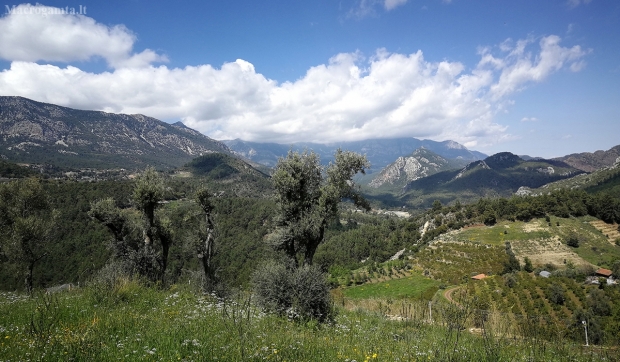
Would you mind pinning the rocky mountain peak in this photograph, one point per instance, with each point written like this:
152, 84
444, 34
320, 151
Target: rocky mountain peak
421, 163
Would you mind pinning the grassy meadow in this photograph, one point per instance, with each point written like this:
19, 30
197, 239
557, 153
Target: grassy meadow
131, 322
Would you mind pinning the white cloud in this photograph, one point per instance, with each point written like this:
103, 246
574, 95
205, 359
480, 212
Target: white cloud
529, 119
519, 67
41, 33
348, 98
391, 4
366, 8
575, 3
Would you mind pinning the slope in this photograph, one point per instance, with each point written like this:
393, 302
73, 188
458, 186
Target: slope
35, 132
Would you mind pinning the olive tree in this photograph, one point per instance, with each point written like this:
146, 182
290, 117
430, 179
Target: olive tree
201, 233
26, 224
308, 199
153, 227
117, 221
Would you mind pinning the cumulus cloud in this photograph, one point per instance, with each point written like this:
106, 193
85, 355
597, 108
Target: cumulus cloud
42, 33
348, 98
529, 119
520, 67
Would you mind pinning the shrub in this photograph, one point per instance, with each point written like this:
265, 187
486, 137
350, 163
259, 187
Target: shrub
572, 240
555, 293
510, 280
301, 293
528, 267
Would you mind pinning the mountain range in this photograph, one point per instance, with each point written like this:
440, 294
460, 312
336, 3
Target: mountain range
501, 174
35, 132
592, 161
405, 171
380, 152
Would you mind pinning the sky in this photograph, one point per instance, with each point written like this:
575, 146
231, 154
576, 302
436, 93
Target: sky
540, 78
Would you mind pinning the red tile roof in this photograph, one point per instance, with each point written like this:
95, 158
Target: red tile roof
604, 272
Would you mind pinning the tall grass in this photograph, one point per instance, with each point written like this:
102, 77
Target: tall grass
137, 323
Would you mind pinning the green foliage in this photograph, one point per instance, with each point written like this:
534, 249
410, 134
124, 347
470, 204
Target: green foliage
299, 293
375, 240
598, 303
510, 280
512, 264
170, 325
202, 236
307, 202
412, 287
555, 293
26, 225
213, 165
12, 170
572, 240
527, 265
615, 268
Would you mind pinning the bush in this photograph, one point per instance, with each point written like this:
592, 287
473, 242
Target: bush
510, 280
555, 293
572, 240
301, 293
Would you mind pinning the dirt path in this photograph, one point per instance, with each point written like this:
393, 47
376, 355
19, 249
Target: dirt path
448, 294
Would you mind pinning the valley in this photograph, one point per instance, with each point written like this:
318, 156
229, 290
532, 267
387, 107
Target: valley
441, 214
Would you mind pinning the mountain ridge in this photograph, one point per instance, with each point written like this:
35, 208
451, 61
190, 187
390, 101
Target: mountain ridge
36, 132
592, 161
421, 163
501, 174
380, 152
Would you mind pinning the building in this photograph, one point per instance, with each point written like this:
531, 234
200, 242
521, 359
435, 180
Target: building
604, 272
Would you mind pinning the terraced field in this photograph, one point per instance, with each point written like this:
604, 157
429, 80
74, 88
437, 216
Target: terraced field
609, 230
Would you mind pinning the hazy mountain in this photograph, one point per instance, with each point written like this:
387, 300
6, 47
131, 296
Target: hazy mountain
35, 132
380, 152
421, 163
589, 162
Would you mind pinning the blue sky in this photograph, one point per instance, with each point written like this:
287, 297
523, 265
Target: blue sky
530, 77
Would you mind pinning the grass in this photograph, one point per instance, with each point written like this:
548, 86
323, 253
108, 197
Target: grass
135, 323
527, 238
413, 286
502, 232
